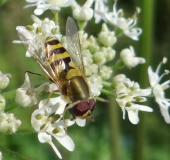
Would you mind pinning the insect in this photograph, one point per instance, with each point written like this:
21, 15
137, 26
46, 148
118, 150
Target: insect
63, 67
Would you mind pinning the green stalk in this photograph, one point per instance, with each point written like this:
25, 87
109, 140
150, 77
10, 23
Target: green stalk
56, 19
114, 129
146, 52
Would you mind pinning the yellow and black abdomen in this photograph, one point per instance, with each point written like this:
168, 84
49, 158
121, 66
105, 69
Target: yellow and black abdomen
78, 89
68, 76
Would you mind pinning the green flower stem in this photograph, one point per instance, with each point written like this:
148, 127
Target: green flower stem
81, 25
56, 20
114, 125
107, 84
108, 93
101, 99
119, 64
14, 155
146, 52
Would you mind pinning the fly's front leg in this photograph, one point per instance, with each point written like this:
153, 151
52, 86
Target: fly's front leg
55, 91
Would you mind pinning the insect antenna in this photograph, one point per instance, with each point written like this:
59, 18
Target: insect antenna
35, 73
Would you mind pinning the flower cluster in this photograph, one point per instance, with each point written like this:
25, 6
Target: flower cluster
128, 95
158, 89
66, 64
8, 123
47, 121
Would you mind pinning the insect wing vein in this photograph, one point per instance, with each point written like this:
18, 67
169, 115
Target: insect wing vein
73, 44
36, 49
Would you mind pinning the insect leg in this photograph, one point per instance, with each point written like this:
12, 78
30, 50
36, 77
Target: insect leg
65, 126
35, 73
87, 115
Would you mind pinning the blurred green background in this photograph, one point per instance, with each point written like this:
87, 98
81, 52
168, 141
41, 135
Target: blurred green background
109, 137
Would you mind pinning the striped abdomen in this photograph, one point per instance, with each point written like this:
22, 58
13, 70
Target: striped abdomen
67, 74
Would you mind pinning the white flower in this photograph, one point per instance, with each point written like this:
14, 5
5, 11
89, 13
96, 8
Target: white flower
128, 94
8, 123
126, 25
84, 13
158, 90
26, 95
100, 6
34, 35
43, 5
128, 57
95, 83
4, 80
45, 28
47, 121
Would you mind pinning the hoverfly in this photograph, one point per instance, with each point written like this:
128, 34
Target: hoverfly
63, 67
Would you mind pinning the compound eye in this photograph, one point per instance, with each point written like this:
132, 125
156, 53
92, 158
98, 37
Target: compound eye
91, 104
81, 108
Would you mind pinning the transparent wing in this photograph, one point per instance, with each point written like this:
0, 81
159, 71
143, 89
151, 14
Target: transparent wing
73, 44
36, 49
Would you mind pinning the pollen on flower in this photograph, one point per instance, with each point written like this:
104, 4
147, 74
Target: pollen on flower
30, 27
56, 130
38, 116
56, 117
128, 94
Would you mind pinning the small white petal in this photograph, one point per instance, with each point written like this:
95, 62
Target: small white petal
165, 114
53, 87
133, 117
81, 122
144, 108
46, 138
55, 149
67, 142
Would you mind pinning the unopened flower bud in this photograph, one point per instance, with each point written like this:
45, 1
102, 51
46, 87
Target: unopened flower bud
92, 45
83, 13
8, 123
4, 80
105, 72
106, 37
129, 59
98, 58
26, 95
25, 98
118, 79
109, 53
